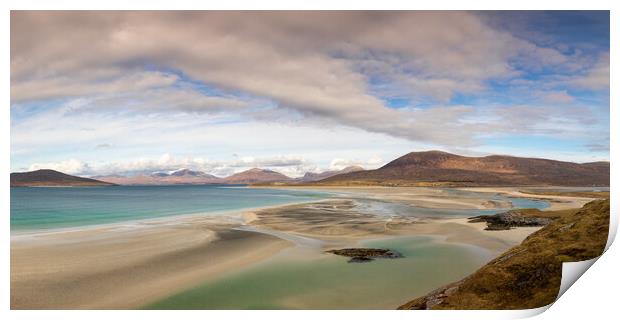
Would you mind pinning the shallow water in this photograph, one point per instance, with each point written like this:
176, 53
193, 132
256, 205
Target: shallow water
47, 208
387, 208
302, 278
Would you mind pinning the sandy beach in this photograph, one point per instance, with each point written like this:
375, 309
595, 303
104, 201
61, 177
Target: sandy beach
337, 225
129, 265
556, 202
432, 198
126, 267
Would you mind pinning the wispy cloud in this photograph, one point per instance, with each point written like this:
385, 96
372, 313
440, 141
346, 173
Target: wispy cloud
137, 80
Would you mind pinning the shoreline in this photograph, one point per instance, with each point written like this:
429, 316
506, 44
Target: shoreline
424, 197
332, 190
130, 264
232, 215
124, 269
556, 202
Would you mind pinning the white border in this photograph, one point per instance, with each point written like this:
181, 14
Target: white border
594, 295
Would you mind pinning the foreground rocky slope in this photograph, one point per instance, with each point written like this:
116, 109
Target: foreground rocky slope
528, 275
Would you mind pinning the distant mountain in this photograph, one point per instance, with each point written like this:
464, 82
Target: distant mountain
186, 176
311, 176
52, 178
181, 176
188, 173
442, 168
256, 175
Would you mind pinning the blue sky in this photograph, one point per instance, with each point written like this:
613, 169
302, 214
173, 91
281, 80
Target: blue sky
136, 92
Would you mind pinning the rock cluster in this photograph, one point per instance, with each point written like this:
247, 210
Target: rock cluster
358, 255
508, 220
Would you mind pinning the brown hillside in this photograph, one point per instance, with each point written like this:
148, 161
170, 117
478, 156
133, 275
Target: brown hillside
445, 168
46, 177
256, 175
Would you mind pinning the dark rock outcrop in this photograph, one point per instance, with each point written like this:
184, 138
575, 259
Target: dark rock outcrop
366, 254
508, 220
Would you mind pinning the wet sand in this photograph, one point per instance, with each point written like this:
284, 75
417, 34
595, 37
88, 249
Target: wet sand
432, 198
338, 224
556, 202
127, 266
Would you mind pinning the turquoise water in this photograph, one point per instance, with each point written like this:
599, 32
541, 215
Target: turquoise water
58, 207
386, 208
316, 280
46, 208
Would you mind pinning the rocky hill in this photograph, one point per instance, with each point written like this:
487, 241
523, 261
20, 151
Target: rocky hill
51, 178
256, 175
446, 169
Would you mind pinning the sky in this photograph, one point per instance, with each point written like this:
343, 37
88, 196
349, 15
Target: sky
98, 93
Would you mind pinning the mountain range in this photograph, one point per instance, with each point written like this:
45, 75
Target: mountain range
251, 176
428, 168
181, 176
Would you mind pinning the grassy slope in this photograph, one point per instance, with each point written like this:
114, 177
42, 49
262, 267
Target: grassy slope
528, 275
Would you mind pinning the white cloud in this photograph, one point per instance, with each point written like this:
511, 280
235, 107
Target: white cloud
321, 72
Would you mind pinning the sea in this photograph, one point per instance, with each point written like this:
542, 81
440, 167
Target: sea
36, 208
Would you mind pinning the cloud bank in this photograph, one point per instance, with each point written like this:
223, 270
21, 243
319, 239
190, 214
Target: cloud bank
447, 79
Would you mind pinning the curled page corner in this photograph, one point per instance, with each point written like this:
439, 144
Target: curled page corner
571, 271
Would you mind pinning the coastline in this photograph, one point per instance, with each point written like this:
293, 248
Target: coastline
130, 264
47, 264
232, 215
556, 202
425, 197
